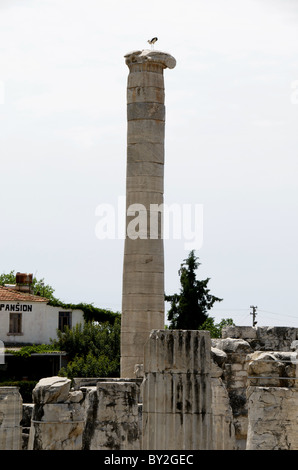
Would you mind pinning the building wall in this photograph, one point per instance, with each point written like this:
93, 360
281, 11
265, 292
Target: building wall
39, 322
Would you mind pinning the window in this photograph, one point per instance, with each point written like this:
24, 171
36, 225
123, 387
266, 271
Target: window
15, 323
64, 320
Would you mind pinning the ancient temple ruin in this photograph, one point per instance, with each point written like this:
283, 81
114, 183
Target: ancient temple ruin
179, 389
192, 393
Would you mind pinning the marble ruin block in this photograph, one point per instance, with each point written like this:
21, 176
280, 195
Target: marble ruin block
10, 418
115, 416
272, 396
58, 418
177, 391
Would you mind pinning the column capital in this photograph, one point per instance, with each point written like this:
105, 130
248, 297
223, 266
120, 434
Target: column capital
146, 56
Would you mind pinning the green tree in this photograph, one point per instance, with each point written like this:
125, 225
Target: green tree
189, 308
93, 349
216, 328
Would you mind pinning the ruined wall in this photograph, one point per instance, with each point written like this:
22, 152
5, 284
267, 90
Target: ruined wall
101, 416
235, 380
238, 343
235, 392
263, 338
272, 396
223, 427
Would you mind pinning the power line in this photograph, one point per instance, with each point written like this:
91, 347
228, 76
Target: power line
235, 313
246, 310
281, 314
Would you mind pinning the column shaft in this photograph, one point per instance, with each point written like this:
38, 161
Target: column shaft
143, 266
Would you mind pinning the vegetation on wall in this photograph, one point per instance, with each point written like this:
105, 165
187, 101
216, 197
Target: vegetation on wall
90, 312
26, 351
39, 287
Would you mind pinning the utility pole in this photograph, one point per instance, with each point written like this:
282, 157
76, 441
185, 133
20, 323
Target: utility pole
253, 313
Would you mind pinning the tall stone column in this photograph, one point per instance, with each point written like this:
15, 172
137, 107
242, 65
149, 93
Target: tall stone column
143, 267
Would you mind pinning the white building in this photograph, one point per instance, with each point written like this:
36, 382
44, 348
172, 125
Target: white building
28, 319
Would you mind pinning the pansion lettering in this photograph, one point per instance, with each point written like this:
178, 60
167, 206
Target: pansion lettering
15, 308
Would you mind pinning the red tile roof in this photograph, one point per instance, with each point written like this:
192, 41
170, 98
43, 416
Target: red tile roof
11, 295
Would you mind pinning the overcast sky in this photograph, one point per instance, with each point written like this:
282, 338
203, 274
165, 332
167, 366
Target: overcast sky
231, 144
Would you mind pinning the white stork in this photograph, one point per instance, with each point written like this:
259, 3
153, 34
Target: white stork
152, 42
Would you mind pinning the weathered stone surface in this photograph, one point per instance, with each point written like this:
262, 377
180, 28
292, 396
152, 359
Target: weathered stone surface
272, 418
264, 338
140, 168
145, 152
56, 436
177, 391
143, 290
223, 435
139, 371
243, 332
75, 396
273, 369
51, 390
146, 131
58, 417
150, 282
27, 411
10, 418
144, 247
116, 423
145, 111
218, 356
146, 56
294, 345
235, 378
144, 263
145, 79
276, 338
271, 362
232, 345
148, 94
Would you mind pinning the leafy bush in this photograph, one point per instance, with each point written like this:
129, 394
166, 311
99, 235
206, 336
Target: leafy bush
93, 349
91, 366
215, 329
